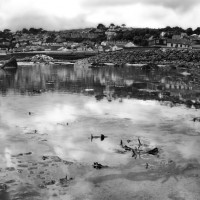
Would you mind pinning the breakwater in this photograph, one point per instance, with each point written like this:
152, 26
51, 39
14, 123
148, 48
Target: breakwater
157, 56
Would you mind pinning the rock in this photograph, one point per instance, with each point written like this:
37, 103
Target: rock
11, 63
147, 166
56, 159
127, 148
96, 165
10, 169
23, 165
42, 186
153, 151
3, 187
10, 181
45, 157
120, 151
64, 181
41, 58
20, 171
29, 153
67, 162
52, 182
196, 119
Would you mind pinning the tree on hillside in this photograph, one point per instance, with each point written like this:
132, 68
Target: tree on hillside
36, 30
6, 30
112, 25
123, 25
197, 31
189, 31
128, 35
24, 30
101, 26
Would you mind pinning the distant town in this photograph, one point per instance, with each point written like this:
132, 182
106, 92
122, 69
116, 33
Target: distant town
99, 39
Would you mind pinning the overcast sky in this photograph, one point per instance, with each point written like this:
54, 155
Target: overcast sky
67, 14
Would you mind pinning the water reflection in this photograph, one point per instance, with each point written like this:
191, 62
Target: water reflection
58, 110
110, 83
67, 105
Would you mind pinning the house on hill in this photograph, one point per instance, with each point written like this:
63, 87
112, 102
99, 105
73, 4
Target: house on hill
100, 48
80, 48
116, 48
107, 49
64, 49
104, 43
157, 42
90, 49
178, 43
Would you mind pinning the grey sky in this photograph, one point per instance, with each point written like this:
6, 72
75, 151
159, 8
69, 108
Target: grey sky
172, 4
66, 14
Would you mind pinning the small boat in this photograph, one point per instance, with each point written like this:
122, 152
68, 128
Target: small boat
10, 64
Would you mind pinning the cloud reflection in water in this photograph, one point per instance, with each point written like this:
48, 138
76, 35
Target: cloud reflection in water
162, 126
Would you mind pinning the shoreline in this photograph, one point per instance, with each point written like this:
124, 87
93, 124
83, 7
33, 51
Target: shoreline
54, 54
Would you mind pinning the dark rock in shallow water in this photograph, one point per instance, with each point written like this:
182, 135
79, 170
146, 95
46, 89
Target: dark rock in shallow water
3, 187
10, 169
97, 165
29, 153
45, 157
64, 181
196, 119
153, 151
42, 186
52, 182
10, 181
11, 63
56, 159
67, 162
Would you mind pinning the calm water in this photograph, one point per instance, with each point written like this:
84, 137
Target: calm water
53, 110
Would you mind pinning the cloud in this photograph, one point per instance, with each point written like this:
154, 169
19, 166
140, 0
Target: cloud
172, 4
38, 20
49, 14
145, 16
62, 14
